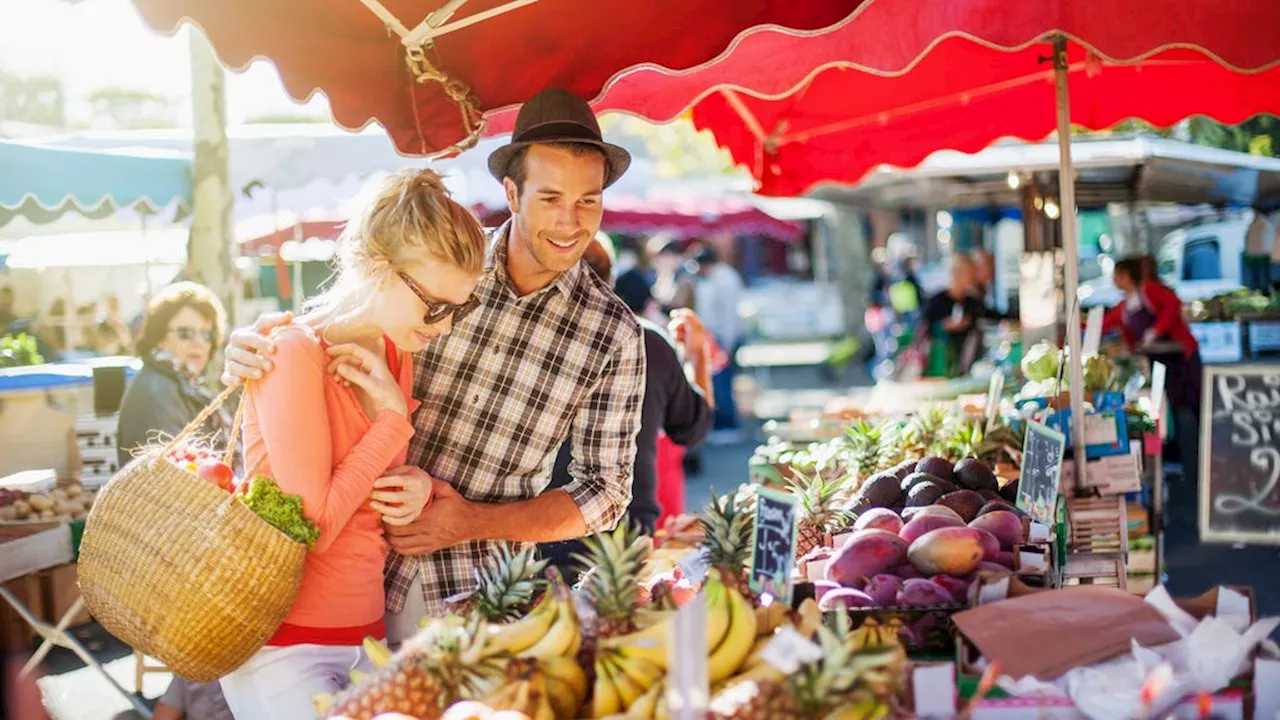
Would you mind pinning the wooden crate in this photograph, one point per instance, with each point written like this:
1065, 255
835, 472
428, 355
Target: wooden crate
15, 634
1098, 526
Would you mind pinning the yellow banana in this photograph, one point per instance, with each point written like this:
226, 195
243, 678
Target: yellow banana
518, 636
322, 702
628, 689
770, 618
663, 710
646, 706
575, 642
762, 671
559, 636
604, 696
641, 671
357, 676
756, 656
810, 617
378, 653
569, 673
717, 601
649, 643
540, 700
866, 708
728, 657
561, 698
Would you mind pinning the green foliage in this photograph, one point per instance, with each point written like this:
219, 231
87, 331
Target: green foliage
35, 99
281, 511
19, 350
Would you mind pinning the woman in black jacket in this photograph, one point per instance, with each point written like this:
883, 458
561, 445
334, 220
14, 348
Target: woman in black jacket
183, 325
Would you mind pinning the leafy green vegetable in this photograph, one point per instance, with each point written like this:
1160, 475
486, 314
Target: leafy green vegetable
18, 351
281, 511
1041, 362
1099, 372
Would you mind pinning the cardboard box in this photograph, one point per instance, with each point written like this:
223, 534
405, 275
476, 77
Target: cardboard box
61, 588
15, 634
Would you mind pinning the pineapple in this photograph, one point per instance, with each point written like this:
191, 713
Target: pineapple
441, 664
927, 431
612, 582
821, 503
728, 523
756, 700
869, 447
508, 587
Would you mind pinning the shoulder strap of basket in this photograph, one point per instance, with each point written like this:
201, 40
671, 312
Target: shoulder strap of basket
204, 415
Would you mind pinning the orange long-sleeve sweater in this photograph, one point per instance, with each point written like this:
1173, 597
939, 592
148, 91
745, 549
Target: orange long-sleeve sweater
309, 433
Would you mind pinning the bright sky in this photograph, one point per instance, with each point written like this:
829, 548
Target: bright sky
97, 43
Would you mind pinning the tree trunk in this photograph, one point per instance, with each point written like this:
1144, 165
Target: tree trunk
209, 249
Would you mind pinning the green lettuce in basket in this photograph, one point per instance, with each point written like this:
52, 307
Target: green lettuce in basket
281, 511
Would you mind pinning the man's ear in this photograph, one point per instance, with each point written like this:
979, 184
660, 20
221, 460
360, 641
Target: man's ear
513, 195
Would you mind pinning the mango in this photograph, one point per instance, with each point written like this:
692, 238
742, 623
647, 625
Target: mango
935, 509
847, 598
1006, 526
1007, 559
822, 587
879, 519
946, 551
906, 572
918, 592
869, 552
958, 587
921, 524
992, 567
883, 589
990, 545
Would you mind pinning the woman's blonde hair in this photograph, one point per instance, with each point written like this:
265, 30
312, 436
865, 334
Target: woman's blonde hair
411, 212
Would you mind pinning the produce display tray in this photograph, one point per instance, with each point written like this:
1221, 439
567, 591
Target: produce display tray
29, 547
1099, 525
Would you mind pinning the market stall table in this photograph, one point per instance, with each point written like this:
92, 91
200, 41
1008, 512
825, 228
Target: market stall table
30, 548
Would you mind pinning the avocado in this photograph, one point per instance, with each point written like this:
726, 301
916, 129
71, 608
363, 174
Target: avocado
924, 493
938, 466
973, 474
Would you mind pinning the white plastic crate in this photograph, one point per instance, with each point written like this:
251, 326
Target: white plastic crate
94, 432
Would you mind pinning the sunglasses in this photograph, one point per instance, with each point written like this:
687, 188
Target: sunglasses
438, 311
188, 334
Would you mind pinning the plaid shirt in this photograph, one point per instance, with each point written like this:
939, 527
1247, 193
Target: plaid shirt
503, 391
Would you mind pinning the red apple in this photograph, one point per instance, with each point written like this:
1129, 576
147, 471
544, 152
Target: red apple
218, 473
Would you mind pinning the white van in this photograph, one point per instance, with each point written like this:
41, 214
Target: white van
1198, 261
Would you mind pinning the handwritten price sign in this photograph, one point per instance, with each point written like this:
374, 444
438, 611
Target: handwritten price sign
1240, 455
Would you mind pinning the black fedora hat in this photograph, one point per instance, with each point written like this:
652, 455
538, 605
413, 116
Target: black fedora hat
558, 116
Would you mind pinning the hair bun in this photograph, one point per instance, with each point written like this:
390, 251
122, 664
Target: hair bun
428, 179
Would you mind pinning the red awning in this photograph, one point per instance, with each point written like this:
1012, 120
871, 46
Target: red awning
474, 56
900, 79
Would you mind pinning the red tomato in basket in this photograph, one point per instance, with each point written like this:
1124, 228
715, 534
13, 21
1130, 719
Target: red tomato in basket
218, 473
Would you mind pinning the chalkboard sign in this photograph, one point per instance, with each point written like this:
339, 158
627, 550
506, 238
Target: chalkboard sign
773, 547
1041, 465
1240, 455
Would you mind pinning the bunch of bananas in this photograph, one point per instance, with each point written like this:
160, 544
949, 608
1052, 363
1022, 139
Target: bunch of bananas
544, 680
630, 668
804, 621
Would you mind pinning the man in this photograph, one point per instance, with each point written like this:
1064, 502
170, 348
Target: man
674, 402
717, 293
550, 354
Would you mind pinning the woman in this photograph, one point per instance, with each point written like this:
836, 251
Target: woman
183, 324
950, 322
407, 267
1150, 319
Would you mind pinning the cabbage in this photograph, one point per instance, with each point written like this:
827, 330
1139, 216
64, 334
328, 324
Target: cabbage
1041, 362
1098, 372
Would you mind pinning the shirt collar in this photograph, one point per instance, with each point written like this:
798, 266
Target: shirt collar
497, 264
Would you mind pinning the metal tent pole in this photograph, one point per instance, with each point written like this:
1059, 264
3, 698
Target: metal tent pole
1070, 246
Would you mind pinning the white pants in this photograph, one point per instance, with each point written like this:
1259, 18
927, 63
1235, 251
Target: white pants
278, 683
405, 624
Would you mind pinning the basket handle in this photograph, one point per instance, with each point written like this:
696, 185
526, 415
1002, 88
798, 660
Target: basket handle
232, 438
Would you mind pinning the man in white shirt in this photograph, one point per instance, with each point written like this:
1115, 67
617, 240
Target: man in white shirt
716, 296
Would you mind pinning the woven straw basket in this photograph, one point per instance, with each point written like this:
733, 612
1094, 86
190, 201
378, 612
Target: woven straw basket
181, 570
